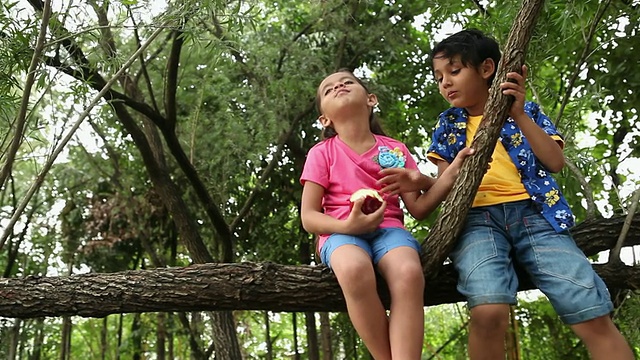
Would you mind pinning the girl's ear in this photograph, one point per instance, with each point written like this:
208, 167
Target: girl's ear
324, 121
487, 68
372, 100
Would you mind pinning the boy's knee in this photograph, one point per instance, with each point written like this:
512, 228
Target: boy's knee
490, 317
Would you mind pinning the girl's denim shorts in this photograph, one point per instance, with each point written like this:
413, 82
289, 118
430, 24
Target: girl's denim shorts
376, 243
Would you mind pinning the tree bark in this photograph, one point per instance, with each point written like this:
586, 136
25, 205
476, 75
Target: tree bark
254, 286
450, 221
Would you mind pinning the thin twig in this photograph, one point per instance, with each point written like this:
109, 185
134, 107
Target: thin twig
21, 118
49, 163
614, 255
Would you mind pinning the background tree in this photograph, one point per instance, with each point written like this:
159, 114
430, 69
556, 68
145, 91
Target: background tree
193, 154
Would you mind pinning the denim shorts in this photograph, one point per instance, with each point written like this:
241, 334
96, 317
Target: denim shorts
376, 243
496, 236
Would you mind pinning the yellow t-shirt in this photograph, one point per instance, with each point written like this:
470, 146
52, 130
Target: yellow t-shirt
501, 183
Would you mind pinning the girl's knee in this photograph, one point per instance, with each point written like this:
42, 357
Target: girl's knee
355, 276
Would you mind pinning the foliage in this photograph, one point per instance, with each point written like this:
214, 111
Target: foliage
244, 117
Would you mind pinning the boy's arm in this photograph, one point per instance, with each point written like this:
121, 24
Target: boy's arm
316, 222
427, 202
546, 149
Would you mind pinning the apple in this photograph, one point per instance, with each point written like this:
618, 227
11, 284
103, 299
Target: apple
372, 200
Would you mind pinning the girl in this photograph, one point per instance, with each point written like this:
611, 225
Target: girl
353, 152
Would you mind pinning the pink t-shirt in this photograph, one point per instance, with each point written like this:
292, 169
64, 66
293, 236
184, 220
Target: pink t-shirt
341, 171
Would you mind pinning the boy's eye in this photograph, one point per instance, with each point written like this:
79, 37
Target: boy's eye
455, 71
348, 82
326, 92
439, 80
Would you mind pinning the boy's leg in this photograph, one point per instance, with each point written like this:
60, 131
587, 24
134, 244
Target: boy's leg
487, 279
487, 330
602, 339
400, 266
353, 268
563, 273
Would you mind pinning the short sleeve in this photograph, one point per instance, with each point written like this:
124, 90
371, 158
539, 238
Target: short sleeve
438, 150
316, 168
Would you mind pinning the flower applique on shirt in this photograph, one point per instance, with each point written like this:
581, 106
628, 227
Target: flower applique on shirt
388, 158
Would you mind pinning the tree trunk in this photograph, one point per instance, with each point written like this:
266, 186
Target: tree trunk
325, 331
161, 335
312, 336
104, 335
294, 322
450, 220
14, 340
267, 336
65, 340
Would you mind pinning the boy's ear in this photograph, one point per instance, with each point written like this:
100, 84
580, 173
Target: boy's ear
487, 68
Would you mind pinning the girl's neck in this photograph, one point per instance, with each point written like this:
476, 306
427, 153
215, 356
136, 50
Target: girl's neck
358, 140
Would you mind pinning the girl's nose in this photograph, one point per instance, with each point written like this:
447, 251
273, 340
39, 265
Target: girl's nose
338, 85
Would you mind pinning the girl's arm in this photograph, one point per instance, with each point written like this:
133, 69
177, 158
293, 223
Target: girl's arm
316, 222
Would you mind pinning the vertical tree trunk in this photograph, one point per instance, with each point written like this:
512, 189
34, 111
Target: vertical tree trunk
267, 335
512, 338
65, 341
170, 339
120, 325
161, 336
294, 320
104, 344
325, 336
136, 337
313, 353
38, 340
15, 339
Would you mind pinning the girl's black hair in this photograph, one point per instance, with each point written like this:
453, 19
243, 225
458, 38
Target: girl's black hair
473, 47
374, 123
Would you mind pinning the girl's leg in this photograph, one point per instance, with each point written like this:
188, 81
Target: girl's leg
354, 270
402, 270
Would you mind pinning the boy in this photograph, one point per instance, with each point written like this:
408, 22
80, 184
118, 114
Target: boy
518, 211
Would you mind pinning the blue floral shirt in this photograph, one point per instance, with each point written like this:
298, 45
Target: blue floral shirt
450, 135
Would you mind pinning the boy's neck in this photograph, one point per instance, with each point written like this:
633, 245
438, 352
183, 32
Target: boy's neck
478, 108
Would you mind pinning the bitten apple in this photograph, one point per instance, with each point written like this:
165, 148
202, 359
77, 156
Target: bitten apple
372, 200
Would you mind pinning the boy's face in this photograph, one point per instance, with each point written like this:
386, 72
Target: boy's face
463, 86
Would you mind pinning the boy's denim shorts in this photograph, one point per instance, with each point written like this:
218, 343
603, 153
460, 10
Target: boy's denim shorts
496, 236
376, 243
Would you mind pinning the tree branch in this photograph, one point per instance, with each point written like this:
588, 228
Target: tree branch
256, 286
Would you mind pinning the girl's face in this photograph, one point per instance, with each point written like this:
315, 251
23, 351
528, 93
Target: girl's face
340, 92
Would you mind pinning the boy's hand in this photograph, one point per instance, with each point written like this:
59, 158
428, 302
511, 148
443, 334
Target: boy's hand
517, 90
453, 170
361, 223
401, 180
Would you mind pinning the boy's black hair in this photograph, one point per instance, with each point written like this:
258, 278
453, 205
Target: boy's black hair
473, 47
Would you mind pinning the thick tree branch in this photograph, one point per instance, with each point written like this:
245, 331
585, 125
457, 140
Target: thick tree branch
255, 286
